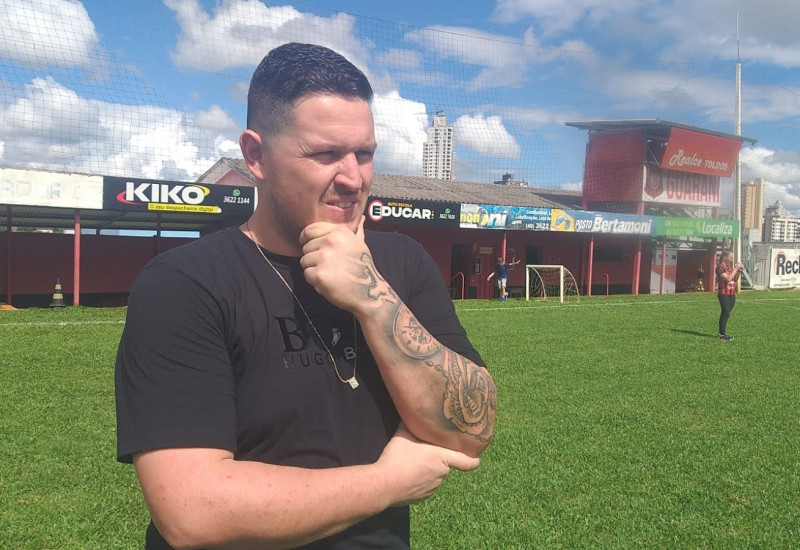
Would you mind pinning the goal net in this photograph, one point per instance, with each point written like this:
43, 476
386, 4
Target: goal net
550, 282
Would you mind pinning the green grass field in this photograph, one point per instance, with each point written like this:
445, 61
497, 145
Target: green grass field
623, 423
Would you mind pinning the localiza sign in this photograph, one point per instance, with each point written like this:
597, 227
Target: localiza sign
697, 227
173, 196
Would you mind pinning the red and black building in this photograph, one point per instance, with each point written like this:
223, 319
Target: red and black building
651, 191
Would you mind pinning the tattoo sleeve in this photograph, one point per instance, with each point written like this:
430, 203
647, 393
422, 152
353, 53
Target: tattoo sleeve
470, 397
378, 289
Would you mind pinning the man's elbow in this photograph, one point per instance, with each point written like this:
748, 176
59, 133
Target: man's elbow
478, 444
184, 533
186, 527
473, 439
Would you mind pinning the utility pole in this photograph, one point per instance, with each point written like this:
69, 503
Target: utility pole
737, 175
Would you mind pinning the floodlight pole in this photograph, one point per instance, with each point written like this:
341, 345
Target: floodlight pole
737, 176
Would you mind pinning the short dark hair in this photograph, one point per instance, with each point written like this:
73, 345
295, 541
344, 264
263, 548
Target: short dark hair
293, 71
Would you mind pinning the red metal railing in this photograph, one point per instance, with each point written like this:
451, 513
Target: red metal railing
604, 274
462, 282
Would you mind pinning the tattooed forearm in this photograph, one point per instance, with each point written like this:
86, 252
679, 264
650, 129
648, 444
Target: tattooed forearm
470, 398
377, 287
411, 337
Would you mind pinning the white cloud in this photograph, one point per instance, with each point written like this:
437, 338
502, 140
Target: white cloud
665, 93
51, 126
533, 117
768, 30
396, 58
216, 120
47, 32
502, 60
779, 166
556, 16
769, 103
486, 135
685, 29
239, 34
227, 147
780, 171
661, 90
400, 131
578, 186
788, 195
238, 91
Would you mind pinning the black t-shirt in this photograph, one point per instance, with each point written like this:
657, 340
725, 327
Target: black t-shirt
216, 353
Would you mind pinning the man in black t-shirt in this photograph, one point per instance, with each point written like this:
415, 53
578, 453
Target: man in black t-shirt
297, 381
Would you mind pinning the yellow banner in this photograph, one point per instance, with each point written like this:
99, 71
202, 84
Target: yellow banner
196, 208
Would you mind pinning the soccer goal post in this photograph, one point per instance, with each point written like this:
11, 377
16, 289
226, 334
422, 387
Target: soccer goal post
550, 281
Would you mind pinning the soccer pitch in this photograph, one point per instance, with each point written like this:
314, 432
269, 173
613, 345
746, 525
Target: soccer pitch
623, 422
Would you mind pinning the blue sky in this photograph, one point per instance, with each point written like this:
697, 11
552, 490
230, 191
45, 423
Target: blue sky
156, 89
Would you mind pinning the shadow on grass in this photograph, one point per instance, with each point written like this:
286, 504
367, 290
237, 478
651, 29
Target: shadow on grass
694, 333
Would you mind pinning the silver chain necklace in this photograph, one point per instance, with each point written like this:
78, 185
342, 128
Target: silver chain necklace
352, 380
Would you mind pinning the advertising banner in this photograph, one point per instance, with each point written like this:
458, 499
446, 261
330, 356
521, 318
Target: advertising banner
172, 196
784, 268
699, 153
601, 222
413, 212
531, 219
54, 189
697, 227
492, 216
671, 187
484, 216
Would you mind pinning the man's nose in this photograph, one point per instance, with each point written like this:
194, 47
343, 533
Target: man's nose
349, 174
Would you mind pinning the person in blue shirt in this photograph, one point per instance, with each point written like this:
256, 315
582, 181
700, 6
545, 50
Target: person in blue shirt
501, 271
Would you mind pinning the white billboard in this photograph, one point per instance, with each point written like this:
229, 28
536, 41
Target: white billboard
55, 189
784, 268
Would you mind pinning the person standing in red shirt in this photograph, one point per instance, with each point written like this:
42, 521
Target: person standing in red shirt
727, 277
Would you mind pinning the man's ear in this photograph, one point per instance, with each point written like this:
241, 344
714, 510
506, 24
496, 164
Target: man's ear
252, 148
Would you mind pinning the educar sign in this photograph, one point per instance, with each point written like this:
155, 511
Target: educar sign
410, 212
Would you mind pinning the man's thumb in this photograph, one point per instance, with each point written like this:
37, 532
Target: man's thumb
462, 462
360, 230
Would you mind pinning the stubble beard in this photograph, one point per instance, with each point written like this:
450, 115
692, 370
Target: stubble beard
285, 224
288, 226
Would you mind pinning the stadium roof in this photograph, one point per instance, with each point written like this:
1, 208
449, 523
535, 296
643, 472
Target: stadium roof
408, 188
108, 220
428, 189
648, 123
